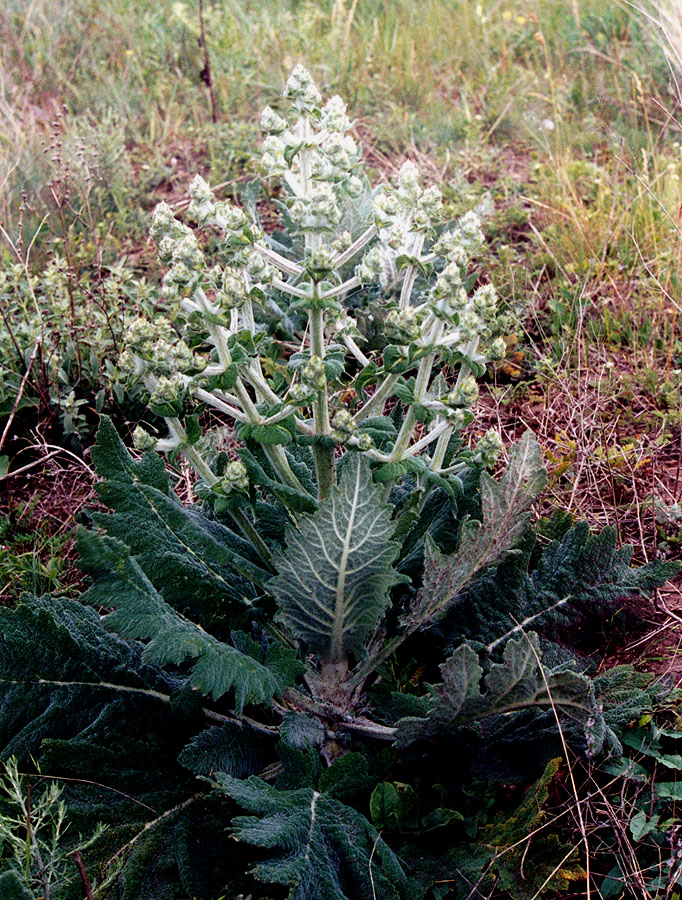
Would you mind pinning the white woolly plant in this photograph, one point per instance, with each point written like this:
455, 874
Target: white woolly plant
384, 249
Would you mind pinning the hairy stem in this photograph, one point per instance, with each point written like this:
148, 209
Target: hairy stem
378, 398
324, 456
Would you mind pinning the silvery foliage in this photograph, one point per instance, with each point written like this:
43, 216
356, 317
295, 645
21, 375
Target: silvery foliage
400, 253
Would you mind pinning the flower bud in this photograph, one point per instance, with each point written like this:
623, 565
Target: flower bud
334, 116
301, 90
464, 394
202, 205
489, 447
342, 242
234, 290
272, 122
273, 159
188, 253
402, 326
408, 182
469, 325
385, 206
234, 217
259, 269
142, 439
319, 263
235, 478
365, 442
469, 227
429, 211
485, 300
300, 394
162, 222
167, 397
371, 266
458, 418
498, 349
313, 374
343, 426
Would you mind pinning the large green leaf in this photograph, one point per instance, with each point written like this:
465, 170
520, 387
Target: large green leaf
334, 576
325, 849
191, 559
81, 703
139, 612
505, 508
516, 683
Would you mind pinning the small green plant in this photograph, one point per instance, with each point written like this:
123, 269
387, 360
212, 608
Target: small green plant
61, 334
31, 555
354, 602
36, 854
637, 839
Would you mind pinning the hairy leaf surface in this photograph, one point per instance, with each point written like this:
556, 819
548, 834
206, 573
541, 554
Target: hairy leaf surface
581, 575
505, 505
141, 613
13, 888
325, 849
333, 579
517, 683
186, 555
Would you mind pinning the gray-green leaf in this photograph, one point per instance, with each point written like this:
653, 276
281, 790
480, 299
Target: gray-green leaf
333, 579
505, 505
518, 682
141, 613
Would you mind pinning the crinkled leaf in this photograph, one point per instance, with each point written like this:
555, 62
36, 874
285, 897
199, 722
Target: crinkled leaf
291, 497
233, 747
325, 850
299, 730
187, 556
334, 576
518, 682
60, 670
141, 613
505, 508
14, 888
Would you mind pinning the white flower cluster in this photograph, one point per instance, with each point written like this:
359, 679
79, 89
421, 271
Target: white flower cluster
431, 323
404, 215
235, 478
311, 150
152, 346
178, 247
489, 447
407, 208
167, 395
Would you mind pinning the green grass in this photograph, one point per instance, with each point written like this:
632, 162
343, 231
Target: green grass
453, 73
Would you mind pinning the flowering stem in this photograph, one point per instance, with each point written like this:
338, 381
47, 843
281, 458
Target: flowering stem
407, 429
441, 448
411, 273
324, 456
356, 246
282, 263
356, 351
204, 472
342, 288
378, 398
275, 454
437, 432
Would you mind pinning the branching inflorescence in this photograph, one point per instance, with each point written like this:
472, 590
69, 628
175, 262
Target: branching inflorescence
349, 247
